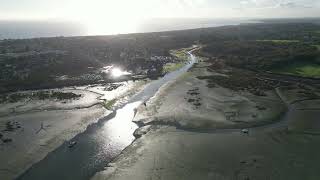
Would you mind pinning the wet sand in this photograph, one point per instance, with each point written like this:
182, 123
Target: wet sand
40, 126
190, 104
41, 133
203, 138
102, 141
168, 153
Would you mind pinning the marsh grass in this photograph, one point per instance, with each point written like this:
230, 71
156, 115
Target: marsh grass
182, 57
169, 67
109, 104
39, 95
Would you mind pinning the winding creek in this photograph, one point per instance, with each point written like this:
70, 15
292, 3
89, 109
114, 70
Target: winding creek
101, 142
105, 140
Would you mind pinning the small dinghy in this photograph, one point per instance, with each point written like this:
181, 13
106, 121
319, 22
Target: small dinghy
245, 131
72, 143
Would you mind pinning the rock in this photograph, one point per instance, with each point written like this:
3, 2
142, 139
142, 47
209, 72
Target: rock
261, 108
1, 135
12, 126
194, 93
141, 131
9, 126
112, 87
6, 140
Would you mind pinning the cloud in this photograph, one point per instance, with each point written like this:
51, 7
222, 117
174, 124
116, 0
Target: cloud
288, 5
293, 5
267, 4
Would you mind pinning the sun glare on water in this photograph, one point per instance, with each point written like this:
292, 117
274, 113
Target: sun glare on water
117, 72
107, 17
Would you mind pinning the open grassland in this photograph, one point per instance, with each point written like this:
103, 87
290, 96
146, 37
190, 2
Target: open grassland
301, 69
279, 41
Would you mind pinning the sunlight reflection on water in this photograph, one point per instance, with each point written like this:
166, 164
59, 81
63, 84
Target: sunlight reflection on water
115, 72
101, 142
121, 126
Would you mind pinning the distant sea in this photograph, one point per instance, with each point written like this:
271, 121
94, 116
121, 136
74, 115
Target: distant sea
35, 29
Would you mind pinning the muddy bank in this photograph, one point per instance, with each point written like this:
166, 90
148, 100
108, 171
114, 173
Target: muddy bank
31, 127
283, 150
101, 141
84, 99
190, 103
168, 153
193, 129
40, 133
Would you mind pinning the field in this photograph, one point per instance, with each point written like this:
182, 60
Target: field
279, 41
301, 69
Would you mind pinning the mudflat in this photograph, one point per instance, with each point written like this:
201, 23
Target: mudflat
202, 128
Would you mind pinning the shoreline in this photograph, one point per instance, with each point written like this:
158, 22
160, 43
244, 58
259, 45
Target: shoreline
60, 122
109, 137
148, 156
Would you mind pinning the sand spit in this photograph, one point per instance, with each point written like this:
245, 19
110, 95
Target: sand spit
194, 130
189, 103
171, 154
31, 128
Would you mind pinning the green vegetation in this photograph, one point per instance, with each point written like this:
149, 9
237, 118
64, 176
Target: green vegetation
257, 55
169, 67
38, 63
181, 54
40, 95
12, 98
301, 69
109, 104
182, 57
279, 41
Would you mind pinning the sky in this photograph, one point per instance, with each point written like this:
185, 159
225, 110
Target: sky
125, 13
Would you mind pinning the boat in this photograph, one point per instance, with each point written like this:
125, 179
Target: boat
72, 143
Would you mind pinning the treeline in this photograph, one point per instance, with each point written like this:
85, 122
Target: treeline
262, 55
306, 32
32, 63
36, 63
